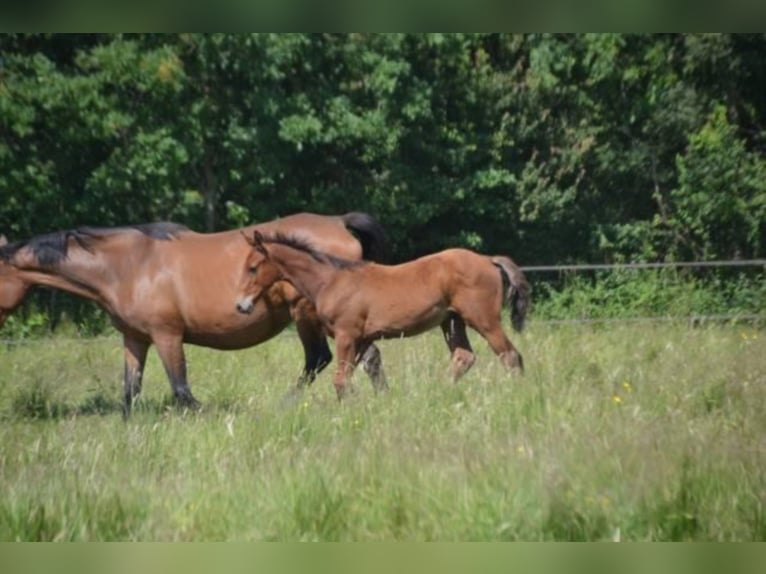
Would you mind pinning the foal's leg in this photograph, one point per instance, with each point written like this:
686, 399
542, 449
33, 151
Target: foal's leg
171, 352
501, 345
135, 358
481, 313
346, 356
463, 358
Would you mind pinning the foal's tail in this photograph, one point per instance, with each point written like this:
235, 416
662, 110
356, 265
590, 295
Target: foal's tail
518, 292
370, 234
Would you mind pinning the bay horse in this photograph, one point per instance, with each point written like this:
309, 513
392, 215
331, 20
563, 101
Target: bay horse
163, 284
359, 302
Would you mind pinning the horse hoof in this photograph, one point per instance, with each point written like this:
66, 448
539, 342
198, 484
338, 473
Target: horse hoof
189, 403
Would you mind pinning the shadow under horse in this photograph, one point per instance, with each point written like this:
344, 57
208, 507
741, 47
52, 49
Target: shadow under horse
163, 284
360, 302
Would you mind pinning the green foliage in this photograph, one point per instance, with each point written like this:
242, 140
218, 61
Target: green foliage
35, 403
647, 293
719, 206
23, 326
549, 148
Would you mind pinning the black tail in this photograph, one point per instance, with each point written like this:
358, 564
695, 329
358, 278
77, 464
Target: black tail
518, 291
370, 234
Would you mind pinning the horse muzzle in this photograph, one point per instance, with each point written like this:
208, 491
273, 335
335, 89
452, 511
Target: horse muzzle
245, 304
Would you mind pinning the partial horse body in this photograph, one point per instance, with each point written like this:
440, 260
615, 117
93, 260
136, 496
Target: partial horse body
359, 302
166, 285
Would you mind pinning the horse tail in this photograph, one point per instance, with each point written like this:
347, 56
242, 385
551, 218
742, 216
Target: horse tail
370, 234
518, 291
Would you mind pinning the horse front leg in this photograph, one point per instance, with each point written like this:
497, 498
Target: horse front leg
171, 351
135, 359
346, 355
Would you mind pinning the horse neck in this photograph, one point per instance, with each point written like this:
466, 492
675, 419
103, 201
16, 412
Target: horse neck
70, 285
80, 273
307, 275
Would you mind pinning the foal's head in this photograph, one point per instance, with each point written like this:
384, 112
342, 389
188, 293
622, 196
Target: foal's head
259, 273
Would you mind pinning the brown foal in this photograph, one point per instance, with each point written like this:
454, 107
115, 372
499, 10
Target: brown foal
359, 302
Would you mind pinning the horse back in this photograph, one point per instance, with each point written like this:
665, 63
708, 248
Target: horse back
434, 276
327, 233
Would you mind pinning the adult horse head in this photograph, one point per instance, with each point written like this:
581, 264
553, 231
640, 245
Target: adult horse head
166, 285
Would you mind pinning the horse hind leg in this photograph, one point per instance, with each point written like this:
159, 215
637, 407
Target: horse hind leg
171, 352
480, 316
315, 349
502, 346
456, 337
373, 366
317, 356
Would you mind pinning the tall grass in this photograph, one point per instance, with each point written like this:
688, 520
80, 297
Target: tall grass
622, 432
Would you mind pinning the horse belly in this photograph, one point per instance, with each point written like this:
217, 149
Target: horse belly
237, 334
406, 320
210, 318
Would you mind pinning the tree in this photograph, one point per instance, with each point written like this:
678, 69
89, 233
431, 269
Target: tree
718, 209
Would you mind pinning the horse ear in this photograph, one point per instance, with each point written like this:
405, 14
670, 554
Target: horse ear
246, 236
257, 242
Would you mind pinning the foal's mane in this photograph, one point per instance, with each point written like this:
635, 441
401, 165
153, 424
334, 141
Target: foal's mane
52, 248
319, 256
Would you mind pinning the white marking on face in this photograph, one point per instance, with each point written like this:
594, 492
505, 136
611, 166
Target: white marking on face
245, 304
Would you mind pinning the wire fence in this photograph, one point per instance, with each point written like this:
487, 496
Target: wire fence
692, 320
620, 266
695, 319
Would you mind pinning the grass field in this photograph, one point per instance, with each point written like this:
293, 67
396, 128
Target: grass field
624, 432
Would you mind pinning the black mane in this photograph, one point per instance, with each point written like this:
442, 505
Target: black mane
162, 230
52, 248
319, 256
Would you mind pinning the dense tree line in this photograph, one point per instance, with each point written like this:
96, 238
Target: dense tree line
549, 148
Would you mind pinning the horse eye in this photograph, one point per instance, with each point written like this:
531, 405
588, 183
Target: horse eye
253, 269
